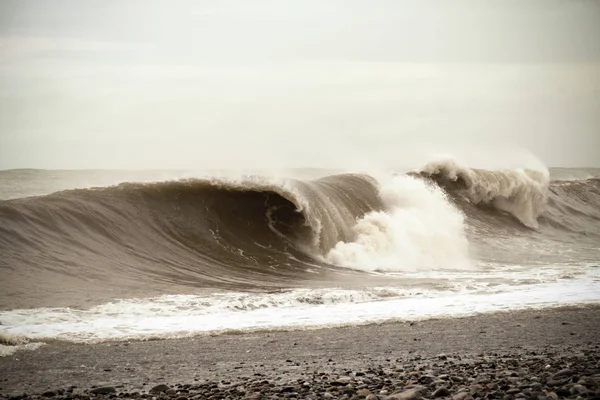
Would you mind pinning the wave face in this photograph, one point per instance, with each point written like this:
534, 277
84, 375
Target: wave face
212, 233
82, 247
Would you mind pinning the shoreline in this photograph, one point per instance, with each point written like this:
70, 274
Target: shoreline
283, 357
185, 335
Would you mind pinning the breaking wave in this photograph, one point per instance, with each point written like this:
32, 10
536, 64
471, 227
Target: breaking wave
418, 229
520, 192
145, 239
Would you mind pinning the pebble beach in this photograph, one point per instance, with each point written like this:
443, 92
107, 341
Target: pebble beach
537, 354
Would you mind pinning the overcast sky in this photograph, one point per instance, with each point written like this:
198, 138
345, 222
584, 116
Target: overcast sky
195, 84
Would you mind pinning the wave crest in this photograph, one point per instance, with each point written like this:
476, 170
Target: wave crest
521, 192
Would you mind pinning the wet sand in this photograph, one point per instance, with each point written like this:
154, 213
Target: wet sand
277, 360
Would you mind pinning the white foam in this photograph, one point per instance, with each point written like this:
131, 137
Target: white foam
186, 315
10, 343
419, 230
10, 350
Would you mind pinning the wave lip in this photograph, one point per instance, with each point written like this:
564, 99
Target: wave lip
520, 192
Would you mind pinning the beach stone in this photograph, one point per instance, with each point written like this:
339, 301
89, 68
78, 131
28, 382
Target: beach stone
562, 392
337, 383
49, 393
461, 396
363, 392
557, 382
162, 388
426, 379
475, 389
171, 392
563, 374
441, 392
372, 397
579, 389
327, 395
410, 394
587, 382
534, 386
104, 390
552, 396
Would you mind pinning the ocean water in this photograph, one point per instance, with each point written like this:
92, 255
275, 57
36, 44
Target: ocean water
90, 256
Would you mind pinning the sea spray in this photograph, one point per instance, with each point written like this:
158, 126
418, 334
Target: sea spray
420, 229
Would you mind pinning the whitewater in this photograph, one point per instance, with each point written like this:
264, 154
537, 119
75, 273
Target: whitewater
90, 256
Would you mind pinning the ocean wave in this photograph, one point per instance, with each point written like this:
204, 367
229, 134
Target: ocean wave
139, 239
520, 192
